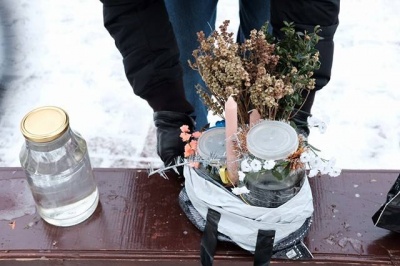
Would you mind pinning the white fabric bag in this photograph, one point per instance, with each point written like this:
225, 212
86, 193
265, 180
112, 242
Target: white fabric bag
241, 222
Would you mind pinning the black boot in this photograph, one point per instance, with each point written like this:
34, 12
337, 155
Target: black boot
169, 143
302, 114
300, 120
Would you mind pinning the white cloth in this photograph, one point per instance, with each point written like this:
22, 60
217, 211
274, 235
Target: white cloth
240, 221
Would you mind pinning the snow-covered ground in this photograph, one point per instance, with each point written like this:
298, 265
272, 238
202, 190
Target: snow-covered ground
59, 53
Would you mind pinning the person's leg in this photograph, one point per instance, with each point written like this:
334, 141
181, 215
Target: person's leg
189, 17
145, 38
146, 41
253, 14
306, 14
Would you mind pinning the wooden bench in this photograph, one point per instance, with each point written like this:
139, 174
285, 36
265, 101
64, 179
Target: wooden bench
139, 222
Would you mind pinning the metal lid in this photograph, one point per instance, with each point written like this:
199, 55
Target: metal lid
272, 140
211, 144
44, 124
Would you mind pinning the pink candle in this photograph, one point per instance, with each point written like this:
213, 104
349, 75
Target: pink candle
231, 126
254, 117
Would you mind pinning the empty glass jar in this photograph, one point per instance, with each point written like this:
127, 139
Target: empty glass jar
57, 166
272, 140
212, 150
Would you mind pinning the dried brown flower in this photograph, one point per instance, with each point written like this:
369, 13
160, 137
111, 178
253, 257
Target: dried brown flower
262, 73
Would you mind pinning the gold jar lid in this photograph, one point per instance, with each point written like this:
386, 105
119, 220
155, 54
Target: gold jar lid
44, 124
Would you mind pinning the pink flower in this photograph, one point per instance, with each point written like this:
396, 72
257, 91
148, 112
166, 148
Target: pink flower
194, 164
185, 128
196, 134
193, 144
185, 136
188, 151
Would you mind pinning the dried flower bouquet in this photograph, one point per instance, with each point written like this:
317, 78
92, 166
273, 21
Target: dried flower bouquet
265, 74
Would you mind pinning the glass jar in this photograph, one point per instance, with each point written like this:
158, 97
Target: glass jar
266, 190
57, 166
275, 141
212, 151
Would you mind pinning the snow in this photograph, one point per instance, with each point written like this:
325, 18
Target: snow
59, 53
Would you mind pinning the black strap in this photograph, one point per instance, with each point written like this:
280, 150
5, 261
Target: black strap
264, 246
209, 239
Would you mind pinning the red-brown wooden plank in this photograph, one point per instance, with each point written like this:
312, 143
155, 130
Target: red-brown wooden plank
139, 220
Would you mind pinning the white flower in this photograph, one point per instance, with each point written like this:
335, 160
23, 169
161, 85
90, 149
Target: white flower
306, 156
245, 166
335, 172
312, 121
322, 127
332, 162
240, 190
268, 165
316, 163
313, 172
315, 122
241, 175
325, 168
255, 165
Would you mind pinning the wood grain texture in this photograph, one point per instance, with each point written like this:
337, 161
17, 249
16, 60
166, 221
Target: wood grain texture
139, 222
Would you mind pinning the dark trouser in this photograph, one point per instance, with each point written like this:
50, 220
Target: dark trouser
146, 41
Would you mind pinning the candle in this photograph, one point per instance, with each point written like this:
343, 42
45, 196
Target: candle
254, 117
231, 126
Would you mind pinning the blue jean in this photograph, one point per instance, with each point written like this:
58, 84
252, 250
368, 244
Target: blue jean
191, 16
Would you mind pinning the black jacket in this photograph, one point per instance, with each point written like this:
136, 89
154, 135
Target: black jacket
145, 39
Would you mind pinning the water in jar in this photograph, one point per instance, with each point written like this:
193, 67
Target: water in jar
63, 183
